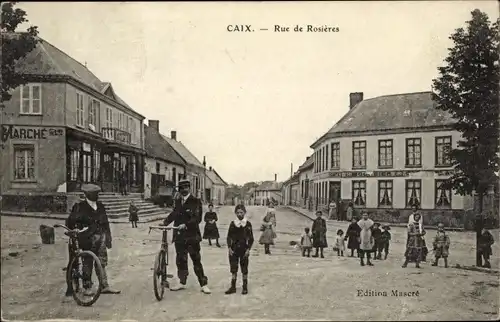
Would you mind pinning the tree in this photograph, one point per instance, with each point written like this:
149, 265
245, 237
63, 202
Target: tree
15, 46
468, 89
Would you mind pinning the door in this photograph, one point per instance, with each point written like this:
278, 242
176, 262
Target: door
334, 191
87, 167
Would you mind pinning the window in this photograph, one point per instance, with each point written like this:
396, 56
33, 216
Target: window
413, 152
385, 153
24, 165
31, 99
320, 160
74, 164
131, 124
443, 149
359, 154
134, 170
385, 193
157, 167
80, 110
97, 165
325, 167
174, 176
87, 167
359, 193
413, 192
443, 195
335, 161
94, 107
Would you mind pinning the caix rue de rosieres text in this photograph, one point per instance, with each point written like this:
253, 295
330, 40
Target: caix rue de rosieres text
283, 28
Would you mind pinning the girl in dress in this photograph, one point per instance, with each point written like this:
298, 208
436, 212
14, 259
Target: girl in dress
414, 243
366, 241
267, 229
319, 234
441, 245
339, 243
133, 214
211, 231
306, 242
352, 237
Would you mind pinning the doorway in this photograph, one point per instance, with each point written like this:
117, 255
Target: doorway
335, 192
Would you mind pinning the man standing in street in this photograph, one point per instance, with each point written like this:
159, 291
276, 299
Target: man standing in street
187, 215
92, 214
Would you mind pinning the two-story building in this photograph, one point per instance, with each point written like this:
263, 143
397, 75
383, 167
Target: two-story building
267, 191
65, 127
195, 170
389, 153
162, 162
215, 190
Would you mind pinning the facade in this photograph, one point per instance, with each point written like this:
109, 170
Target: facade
216, 187
65, 127
266, 191
195, 170
387, 154
306, 183
162, 162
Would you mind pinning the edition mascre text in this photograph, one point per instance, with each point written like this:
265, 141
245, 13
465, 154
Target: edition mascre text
392, 293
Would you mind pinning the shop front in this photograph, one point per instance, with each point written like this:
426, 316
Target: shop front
92, 159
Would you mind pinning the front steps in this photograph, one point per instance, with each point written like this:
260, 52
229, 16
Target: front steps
117, 206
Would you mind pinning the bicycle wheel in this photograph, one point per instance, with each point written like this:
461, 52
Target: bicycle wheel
85, 290
159, 275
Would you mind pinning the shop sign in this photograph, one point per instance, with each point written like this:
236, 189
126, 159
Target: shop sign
86, 147
378, 174
30, 133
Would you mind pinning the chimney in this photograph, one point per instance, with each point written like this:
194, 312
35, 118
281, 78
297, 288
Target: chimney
173, 135
204, 162
275, 177
355, 98
210, 168
155, 124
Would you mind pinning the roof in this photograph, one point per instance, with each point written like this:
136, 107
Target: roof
157, 147
307, 164
390, 112
269, 185
215, 177
46, 59
183, 151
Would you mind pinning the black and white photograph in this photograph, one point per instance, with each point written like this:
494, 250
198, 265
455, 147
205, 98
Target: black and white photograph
250, 161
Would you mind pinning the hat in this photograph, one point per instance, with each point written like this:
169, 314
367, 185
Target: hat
89, 187
184, 183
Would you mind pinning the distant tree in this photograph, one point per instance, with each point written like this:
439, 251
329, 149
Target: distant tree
15, 46
468, 88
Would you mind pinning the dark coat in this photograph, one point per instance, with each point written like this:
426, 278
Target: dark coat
352, 234
188, 214
211, 231
133, 213
485, 241
319, 233
83, 215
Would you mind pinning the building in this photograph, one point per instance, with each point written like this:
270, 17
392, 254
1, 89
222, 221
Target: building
65, 127
386, 154
267, 191
305, 172
216, 187
195, 170
162, 162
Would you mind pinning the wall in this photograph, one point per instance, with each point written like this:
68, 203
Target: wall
166, 169
71, 118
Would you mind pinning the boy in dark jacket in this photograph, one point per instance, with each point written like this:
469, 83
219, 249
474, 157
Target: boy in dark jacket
376, 234
384, 241
239, 242
484, 247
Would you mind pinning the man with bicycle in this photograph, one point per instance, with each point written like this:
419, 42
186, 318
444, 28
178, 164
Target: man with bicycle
187, 217
91, 213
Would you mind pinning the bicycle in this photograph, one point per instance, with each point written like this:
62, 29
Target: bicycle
160, 275
75, 273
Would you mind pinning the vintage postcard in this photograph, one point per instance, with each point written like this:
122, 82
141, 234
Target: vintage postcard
250, 161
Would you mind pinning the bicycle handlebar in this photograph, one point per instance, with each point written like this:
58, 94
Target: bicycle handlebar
78, 231
162, 228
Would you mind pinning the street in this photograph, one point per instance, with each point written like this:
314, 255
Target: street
283, 285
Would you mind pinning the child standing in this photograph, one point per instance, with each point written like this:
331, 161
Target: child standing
267, 228
441, 245
385, 240
376, 233
339, 243
211, 231
352, 235
484, 249
133, 214
306, 242
239, 242
319, 234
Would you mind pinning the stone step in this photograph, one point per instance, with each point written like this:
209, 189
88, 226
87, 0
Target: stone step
124, 214
125, 210
117, 198
114, 205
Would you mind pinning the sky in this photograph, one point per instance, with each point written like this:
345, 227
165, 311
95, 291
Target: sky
254, 102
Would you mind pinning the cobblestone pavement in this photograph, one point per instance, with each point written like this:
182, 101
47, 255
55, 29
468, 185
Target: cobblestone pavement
282, 286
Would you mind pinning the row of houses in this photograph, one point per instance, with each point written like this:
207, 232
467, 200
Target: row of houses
384, 155
65, 127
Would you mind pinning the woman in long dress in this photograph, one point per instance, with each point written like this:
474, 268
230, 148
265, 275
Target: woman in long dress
417, 219
211, 231
319, 234
414, 245
352, 237
366, 239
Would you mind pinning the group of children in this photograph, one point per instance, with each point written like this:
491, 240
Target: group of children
317, 239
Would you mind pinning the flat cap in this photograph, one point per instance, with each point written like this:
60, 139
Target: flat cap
89, 187
184, 183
